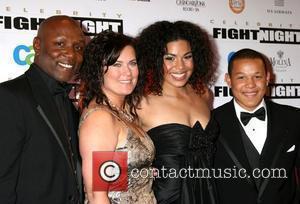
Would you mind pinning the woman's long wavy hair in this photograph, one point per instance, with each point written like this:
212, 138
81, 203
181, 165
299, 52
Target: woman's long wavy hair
100, 53
152, 46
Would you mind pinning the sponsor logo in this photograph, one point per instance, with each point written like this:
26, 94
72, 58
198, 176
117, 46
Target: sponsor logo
280, 63
263, 35
191, 5
237, 6
280, 11
278, 2
110, 171
23, 55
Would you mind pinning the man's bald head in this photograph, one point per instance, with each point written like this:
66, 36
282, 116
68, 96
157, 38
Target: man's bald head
58, 47
52, 22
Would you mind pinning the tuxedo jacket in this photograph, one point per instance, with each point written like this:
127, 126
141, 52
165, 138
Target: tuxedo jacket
280, 151
34, 163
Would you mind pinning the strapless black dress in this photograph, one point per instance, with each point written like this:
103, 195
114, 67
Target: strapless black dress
182, 147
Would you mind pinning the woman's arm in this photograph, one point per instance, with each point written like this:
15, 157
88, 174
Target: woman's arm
98, 132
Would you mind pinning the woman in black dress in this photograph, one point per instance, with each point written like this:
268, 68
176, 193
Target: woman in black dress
177, 64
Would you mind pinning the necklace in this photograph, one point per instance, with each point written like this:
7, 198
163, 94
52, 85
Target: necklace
121, 112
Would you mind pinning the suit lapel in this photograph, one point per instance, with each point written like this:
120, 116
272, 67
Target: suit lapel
47, 108
234, 139
276, 135
42, 113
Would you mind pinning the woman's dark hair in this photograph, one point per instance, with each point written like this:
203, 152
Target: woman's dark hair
103, 51
151, 47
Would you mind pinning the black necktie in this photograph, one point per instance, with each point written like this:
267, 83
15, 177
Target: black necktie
259, 114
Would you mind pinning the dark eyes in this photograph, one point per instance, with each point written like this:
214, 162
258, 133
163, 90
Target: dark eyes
243, 77
188, 56
173, 58
132, 63
117, 64
62, 44
169, 57
240, 77
78, 47
59, 44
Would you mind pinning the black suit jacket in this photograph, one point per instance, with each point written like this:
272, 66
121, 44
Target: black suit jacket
34, 165
282, 134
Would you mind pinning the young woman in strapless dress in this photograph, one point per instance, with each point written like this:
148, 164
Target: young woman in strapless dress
177, 64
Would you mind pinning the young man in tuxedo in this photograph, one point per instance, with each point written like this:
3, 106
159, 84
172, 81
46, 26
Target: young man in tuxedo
259, 139
39, 160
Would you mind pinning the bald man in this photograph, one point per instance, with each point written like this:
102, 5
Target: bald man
38, 144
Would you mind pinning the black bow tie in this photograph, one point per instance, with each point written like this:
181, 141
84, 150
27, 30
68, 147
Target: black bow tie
259, 114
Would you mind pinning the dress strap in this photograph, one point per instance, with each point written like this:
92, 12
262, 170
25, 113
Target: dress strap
93, 109
135, 128
86, 114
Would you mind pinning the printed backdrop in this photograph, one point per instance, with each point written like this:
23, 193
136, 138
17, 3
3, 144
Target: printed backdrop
270, 26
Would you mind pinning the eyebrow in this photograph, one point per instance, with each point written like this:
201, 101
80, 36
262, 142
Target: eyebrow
251, 73
134, 59
190, 52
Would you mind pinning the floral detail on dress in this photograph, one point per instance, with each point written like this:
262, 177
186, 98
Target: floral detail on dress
140, 156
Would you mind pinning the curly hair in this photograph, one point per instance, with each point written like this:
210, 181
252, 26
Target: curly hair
151, 47
100, 53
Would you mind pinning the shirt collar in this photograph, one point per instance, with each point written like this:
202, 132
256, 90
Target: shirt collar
51, 83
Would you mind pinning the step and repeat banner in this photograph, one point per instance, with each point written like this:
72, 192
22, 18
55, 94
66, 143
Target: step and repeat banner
270, 26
